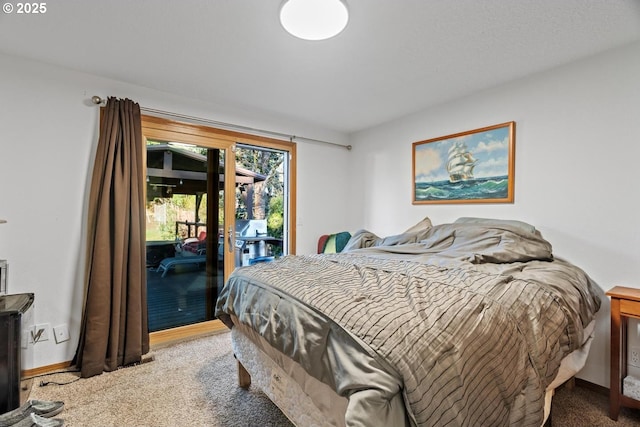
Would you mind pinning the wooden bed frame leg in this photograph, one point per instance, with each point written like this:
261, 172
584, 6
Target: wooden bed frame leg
571, 383
244, 378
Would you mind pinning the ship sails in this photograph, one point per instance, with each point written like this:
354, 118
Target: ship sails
460, 163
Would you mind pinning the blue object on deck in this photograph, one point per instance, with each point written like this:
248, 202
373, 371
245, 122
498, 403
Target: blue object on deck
260, 259
167, 263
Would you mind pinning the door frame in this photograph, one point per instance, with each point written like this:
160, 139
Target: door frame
163, 129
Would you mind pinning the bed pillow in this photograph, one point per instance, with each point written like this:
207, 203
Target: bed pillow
497, 222
361, 239
413, 234
366, 239
401, 239
482, 243
421, 229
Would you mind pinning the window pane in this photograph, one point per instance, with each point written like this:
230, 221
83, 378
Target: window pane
184, 263
261, 204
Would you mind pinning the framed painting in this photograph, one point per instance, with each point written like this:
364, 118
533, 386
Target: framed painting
468, 167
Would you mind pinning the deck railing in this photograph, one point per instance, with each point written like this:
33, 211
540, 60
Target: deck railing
191, 226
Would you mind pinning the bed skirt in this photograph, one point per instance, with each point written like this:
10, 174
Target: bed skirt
305, 401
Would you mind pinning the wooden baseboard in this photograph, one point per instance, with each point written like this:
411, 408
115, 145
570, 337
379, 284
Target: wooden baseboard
593, 387
48, 369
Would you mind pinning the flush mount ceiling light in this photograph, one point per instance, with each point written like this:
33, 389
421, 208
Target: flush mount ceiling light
314, 19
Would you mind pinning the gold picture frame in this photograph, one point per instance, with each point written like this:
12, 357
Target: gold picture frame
477, 166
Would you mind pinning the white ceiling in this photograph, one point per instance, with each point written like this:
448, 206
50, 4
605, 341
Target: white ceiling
395, 57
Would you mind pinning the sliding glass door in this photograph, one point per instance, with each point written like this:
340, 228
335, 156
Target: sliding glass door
185, 217
185, 229
262, 204
215, 200
189, 209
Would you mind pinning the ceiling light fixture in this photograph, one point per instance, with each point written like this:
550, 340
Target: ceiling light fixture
314, 19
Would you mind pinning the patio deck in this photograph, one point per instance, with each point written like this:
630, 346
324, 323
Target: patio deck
178, 299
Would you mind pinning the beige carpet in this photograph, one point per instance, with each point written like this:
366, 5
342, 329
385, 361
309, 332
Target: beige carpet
189, 384
194, 384
583, 407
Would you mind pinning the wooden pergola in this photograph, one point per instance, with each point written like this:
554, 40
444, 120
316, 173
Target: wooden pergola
185, 172
172, 169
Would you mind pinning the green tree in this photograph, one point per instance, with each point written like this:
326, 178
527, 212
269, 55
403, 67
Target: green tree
275, 220
268, 163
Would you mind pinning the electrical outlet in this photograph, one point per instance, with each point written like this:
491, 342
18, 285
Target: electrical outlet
634, 356
34, 336
42, 331
61, 333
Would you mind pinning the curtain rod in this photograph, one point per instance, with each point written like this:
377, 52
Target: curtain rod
100, 101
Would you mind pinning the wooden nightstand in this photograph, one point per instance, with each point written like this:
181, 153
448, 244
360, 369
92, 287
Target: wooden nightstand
625, 303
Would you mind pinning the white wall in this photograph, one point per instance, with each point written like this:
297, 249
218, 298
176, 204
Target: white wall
577, 151
577, 145
48, 135
323, 189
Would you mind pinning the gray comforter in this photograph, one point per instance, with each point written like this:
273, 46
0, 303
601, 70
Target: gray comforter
473, 319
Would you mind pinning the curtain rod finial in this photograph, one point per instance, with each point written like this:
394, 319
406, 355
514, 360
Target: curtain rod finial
96, 100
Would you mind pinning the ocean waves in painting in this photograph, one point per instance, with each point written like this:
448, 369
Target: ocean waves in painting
480, 188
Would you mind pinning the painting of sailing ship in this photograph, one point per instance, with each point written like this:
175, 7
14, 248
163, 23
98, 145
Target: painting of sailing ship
467, 167
460, 162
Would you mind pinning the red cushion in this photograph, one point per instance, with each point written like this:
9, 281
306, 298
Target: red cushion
322, 241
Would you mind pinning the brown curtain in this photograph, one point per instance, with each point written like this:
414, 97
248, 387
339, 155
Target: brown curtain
114, 329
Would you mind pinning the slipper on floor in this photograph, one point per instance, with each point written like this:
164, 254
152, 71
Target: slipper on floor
41, 408
33, 420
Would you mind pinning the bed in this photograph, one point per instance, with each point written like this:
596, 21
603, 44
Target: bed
472, 323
